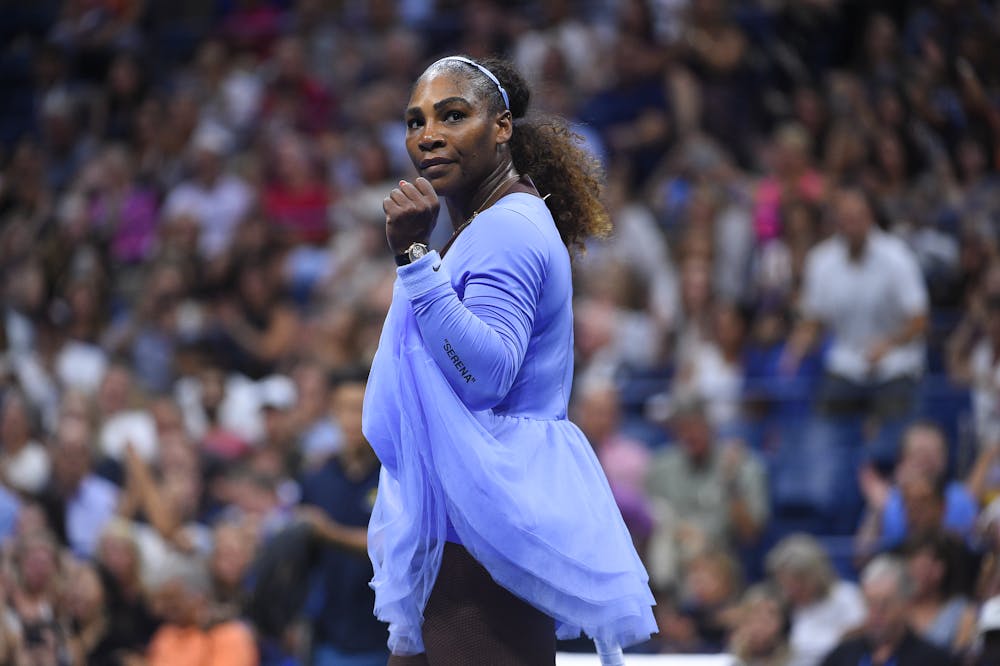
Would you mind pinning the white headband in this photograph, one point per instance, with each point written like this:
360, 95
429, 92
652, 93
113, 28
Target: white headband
486, 72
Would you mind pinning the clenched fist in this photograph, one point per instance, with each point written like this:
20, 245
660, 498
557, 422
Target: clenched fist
411, 211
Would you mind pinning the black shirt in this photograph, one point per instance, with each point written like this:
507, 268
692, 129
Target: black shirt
347, 620
912, 651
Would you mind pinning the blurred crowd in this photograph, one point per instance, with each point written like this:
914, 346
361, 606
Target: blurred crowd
788, 352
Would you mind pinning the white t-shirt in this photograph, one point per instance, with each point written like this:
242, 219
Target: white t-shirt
218, 209
716, 382
28, 469
862, 302
816, 629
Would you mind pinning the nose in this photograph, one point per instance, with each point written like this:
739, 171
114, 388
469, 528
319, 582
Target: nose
430, 139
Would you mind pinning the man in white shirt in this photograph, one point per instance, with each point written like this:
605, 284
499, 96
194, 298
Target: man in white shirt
218, 200
865, 287
78, 503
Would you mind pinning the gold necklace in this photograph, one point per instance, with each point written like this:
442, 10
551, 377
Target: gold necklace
486, 203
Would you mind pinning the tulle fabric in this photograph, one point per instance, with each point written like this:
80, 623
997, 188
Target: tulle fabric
527, 498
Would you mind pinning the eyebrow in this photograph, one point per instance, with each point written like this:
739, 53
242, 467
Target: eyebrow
441, 104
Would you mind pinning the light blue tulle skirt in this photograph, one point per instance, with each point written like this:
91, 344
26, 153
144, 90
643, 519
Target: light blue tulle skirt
526, 497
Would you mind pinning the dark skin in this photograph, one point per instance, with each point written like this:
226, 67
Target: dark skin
461, 152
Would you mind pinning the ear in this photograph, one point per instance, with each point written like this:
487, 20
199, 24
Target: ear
504, 127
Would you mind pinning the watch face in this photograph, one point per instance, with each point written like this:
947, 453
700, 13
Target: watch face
416, 251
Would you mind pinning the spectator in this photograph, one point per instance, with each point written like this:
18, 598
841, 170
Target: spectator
923, 466
294, 99
886, 637
35, 600
218, 200
779, 263
314, 419
257, 324
189, 634
296, 200
129, 617
714, 372
716, 492
710, 590
938, 610
78, 503
876, 310
120, 210
974, 356
824, 609
988, 626
624, 459
229, 565
760, 636
139, 188
338, 500
24, 462
85, 607
632, 113
794, 181
152, 335
597, 410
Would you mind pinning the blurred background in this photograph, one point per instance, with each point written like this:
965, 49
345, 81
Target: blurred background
788, 352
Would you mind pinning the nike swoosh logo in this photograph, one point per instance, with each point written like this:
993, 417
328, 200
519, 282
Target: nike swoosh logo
436, 267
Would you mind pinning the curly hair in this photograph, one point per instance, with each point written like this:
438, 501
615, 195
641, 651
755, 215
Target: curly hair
545, 148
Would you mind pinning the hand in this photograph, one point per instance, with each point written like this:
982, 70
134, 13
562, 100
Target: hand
411, 211
733, 456
878, 351
313, 516
874, 488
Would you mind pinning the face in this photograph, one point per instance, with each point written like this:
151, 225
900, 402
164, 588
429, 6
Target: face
707, 583
924, 452
38, 565
696, 284
924, 509
729, 327
854, 218
348, 400
451, 136
72, 459
85, 595
311, 387
231, 555
763, 622
118, 555
886, 609
113, 394
598, 414
694, 435
14, 421
925, 570
795, 587
177, 604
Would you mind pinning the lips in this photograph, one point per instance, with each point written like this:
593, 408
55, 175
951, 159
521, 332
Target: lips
434, 161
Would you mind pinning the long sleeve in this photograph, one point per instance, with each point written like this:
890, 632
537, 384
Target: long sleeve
479, 337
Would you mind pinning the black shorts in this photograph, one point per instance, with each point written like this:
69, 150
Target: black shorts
470, 619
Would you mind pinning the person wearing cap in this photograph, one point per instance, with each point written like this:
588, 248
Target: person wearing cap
886, 638
494, 529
